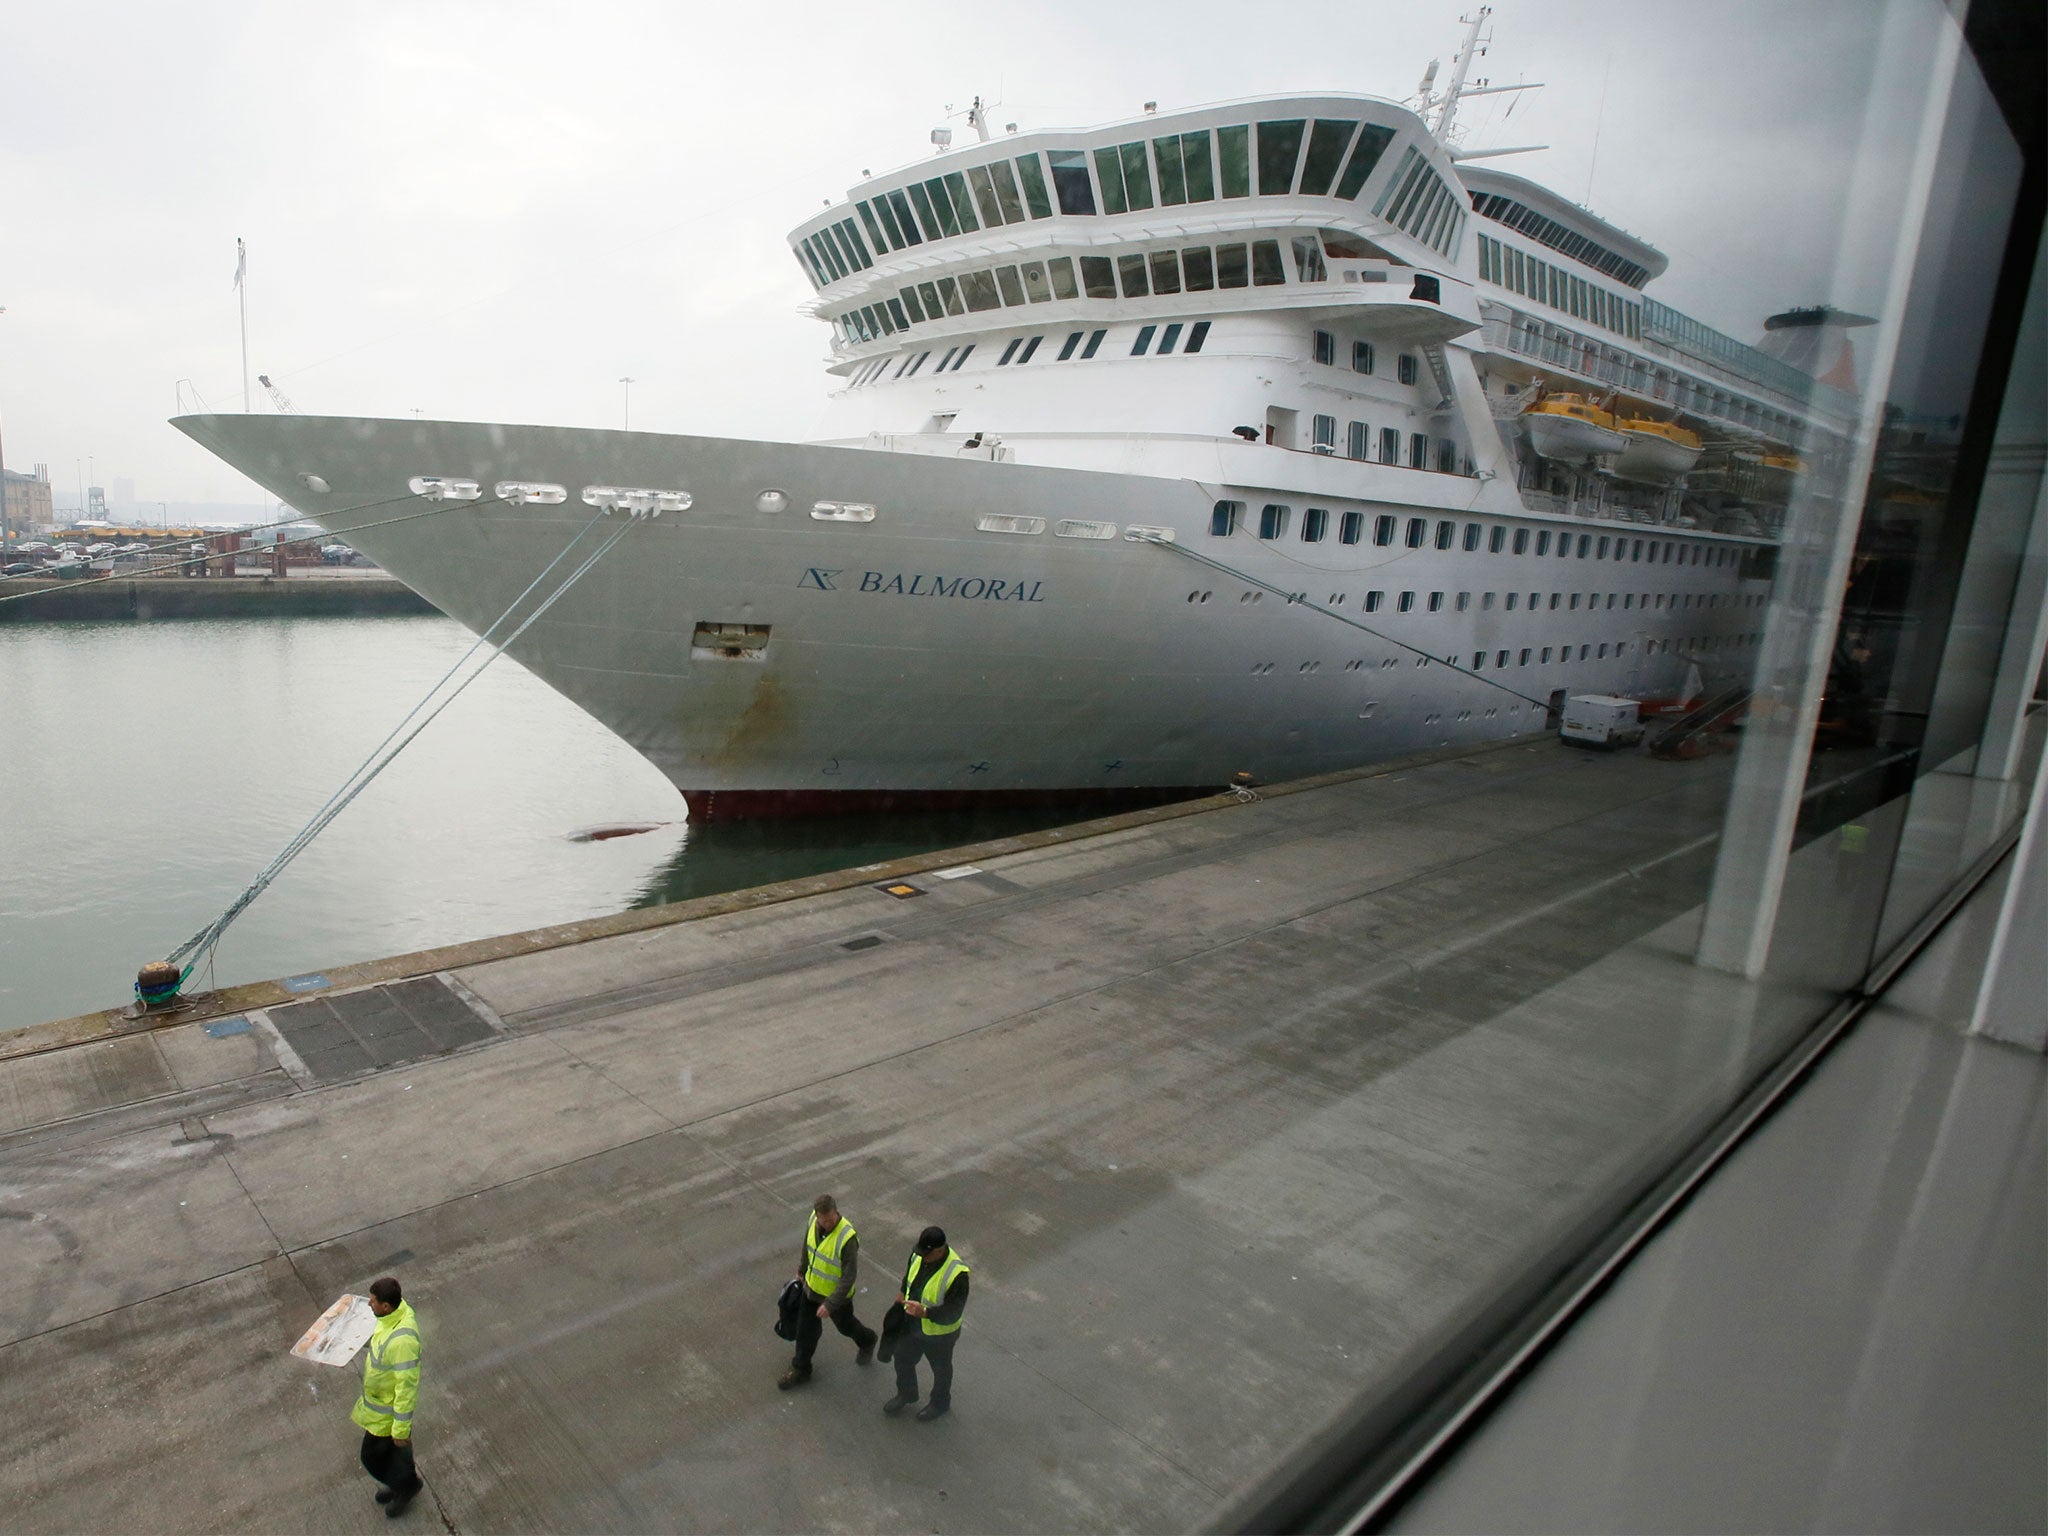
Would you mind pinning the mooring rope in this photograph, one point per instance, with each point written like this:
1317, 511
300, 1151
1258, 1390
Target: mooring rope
195, 950
1301, 600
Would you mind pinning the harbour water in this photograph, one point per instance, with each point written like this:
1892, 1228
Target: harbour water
149, 770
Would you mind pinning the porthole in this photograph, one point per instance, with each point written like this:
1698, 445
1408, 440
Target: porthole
772, 502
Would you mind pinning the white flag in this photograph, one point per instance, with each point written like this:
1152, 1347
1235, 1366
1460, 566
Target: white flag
241, 262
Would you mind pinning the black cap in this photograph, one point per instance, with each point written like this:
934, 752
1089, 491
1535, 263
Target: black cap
930, 1238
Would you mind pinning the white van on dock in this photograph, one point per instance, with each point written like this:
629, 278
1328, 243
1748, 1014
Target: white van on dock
1600, 720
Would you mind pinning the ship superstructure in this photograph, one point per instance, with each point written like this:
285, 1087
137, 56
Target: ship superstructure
1258, 438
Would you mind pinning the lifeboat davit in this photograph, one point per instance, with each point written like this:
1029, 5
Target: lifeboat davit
1572, 428
1657, 451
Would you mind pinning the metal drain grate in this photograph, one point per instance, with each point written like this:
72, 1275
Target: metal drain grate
356, 1032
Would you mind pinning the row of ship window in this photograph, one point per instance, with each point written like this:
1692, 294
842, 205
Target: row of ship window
1228, 517
1323, 348
1141, 274
1021, 349
1566, 602
1290, 157
1524, 655
1547, 231
1550, 284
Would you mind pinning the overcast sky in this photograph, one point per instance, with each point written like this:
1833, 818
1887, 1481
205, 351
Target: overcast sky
495, 211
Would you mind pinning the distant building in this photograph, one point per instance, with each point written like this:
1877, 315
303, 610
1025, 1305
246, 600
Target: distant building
28, 505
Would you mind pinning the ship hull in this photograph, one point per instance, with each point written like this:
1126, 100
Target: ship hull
916, 659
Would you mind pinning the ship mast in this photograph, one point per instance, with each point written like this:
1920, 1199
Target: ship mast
1445, 105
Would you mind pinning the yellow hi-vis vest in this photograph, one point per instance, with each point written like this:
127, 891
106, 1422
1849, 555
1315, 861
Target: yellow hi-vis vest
821, 1270
391, 1375
932, 1291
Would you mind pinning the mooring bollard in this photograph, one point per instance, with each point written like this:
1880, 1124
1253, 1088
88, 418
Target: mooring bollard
157, 983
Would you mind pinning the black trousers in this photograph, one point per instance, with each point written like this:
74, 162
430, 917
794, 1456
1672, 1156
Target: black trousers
913, 1345
810, 1328
390, 1462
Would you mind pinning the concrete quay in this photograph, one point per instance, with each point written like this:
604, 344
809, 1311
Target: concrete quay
1232, 1107
209, 597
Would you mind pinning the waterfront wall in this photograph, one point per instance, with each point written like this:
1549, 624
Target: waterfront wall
209, 597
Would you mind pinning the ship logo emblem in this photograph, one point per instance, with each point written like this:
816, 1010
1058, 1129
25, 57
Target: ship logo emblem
822, 580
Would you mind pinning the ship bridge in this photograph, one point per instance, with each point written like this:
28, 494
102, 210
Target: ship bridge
1342, 203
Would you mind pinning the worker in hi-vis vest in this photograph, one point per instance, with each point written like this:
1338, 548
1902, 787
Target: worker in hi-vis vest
391, 1386
827, 1265
934, 1295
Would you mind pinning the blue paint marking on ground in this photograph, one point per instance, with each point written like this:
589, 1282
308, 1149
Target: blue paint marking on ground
220, 1029
312, 981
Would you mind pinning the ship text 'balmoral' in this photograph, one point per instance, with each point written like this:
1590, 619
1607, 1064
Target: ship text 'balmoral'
897, 584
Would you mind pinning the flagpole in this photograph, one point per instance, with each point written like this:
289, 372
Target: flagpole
242, 289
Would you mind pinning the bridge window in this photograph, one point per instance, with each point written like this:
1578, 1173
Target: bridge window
979, 289
1198, 270
1131, 269
1035, 288
1171, 336
1266, 269
1098, 277
1308, 261
1032, 179
1011, 288
1365, 156
985, 197
1197, 336
1145, 334
1279, 149
1327, 142
1094, 341
1233, 269
1070, 180
1233, 154
1165, 272
1030, 347
1067, 350
1009, 351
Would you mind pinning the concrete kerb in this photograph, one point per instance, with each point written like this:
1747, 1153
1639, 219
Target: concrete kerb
113, 1023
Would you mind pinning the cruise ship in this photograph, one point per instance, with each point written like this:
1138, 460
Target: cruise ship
1233, 444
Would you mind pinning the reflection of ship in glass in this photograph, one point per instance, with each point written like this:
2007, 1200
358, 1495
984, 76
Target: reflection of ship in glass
1170, 450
